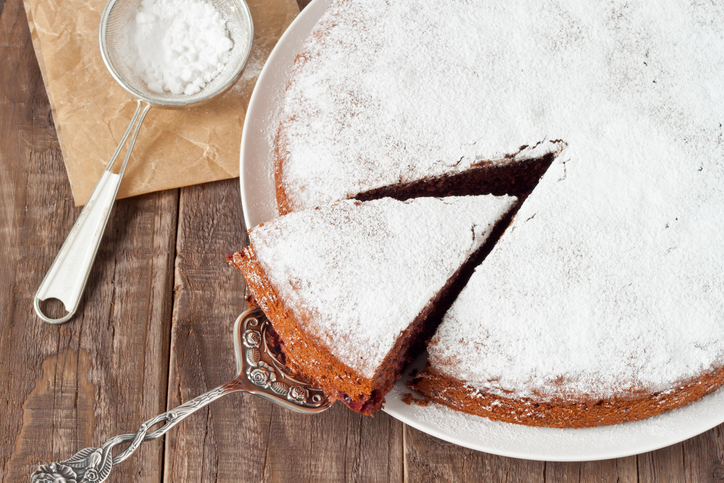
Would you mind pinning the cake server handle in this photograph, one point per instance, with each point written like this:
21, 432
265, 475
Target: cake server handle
69, 273
94, 464
260, 373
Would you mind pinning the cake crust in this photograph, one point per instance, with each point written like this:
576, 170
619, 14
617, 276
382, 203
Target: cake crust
298, 345
574, 412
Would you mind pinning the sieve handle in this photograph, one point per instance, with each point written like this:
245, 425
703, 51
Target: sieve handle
69, 272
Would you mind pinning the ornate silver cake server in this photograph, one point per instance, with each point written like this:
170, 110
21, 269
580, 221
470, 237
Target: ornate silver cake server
261, 372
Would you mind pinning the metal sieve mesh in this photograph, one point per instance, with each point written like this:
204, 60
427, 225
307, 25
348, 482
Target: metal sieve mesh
119, 12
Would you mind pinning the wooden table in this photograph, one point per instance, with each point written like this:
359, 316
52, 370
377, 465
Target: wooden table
154, 330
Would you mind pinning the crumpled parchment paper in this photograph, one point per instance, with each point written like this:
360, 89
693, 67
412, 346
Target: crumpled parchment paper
175, 147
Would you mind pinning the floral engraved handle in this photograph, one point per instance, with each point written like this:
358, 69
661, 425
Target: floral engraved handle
266, 372
93, 465
88, 465
261, 373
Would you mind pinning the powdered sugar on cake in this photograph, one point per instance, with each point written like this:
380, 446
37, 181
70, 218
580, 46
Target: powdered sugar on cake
365, 271
609, 281
393, 95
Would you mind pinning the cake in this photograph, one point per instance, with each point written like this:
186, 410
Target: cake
602, 301
354, 288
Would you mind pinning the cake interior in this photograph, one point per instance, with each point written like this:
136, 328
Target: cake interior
364, 395
515, 178
508, 177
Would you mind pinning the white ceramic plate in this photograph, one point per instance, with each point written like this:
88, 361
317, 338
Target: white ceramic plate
258, 198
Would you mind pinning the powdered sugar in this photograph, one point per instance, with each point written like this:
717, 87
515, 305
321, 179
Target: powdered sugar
393, 95
177, 46
366, 270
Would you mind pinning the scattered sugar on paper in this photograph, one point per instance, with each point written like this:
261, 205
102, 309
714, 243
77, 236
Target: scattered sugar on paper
177, 46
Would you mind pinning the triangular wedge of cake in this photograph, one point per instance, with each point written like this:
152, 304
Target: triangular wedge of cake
354, 288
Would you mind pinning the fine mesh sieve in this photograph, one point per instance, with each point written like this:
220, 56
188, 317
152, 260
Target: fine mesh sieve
118, 13
68, 274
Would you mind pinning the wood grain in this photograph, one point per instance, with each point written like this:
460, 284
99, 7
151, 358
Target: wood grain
622, 470
430, 459
70, 386
703, 457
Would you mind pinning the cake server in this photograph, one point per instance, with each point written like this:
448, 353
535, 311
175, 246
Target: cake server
260, 372
68, 274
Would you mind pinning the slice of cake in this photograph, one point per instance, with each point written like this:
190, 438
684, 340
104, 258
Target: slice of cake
354, 288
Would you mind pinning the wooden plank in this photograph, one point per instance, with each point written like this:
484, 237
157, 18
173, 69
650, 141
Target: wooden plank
71, 386
700, 459
621, 470
208, 298
430, 459
243, 438
703, 456
664, 465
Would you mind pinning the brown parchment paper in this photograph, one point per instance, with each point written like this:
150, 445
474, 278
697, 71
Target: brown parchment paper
175, 147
